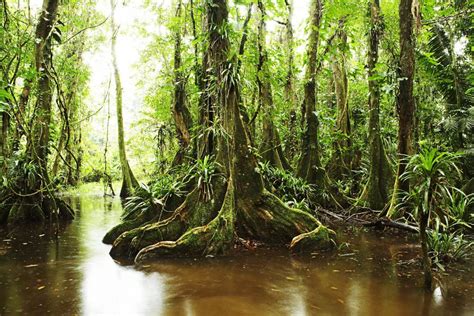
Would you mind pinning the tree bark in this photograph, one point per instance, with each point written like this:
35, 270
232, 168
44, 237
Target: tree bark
30, 197
340, 164
182, 116
405, 99
239, 205
290, 95
270, 148
129, 181
376, 192
310, 167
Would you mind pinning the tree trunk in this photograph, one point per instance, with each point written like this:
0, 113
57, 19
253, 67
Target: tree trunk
270, 148
290, 95
428, 278
239, 205
340, 164
181, 115
129, 182
405, 99
4, 135
376, 192
310, 167
30, 198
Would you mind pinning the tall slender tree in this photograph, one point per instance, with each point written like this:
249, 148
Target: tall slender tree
376, 192
310, 167
29, 197
290, 93
182, 116
405, 100
271, 149
129, 182
340, 164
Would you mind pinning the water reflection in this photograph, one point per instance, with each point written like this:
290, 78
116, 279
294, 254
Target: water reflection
75, 275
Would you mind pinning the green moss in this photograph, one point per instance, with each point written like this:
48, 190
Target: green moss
317, 239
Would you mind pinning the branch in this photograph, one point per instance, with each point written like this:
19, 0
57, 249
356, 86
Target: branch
329, 42
448, 17
244, 36
385, 222
85, 29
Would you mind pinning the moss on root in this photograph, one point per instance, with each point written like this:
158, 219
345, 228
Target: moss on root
191, 213
142, 219
267, 219
17, 210
214, 238
317, 239
271, 221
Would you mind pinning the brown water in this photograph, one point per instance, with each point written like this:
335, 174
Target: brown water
374, 275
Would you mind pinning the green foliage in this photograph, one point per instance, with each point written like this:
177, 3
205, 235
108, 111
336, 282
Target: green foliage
446, 246
432, 173
144, 200
204, 172
458, 208
285, 184
167, 185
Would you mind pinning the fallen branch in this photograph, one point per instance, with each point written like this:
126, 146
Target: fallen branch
385, 222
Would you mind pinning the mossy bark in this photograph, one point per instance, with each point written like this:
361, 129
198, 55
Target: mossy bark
291, 139
28, 197
405, 99
309, 167
240, 206
271, 147
181, 115
129, 182
341, 162
376, 193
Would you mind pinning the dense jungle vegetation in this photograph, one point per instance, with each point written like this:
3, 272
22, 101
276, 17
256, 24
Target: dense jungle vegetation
252, 121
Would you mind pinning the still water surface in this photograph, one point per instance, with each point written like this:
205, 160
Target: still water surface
374, 275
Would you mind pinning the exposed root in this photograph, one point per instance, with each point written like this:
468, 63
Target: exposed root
214, 238
271, 221
129, 243
142, 219
191, 213
187, 233
317, 239
151, 215
18, 210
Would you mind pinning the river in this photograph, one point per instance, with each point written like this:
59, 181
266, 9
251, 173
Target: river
373, 273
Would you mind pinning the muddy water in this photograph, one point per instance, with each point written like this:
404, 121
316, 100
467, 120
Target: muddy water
375, 274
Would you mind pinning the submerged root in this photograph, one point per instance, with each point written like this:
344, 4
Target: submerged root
317, 239
193, 231
191, 213
18, 210
215, 238
270, 220
127, 225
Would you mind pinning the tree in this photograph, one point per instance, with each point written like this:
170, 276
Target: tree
128, 179
340, 164
290, 93
182, 116
310, 167
29, 197
240, 205
376, 193
271, 148
405, 99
